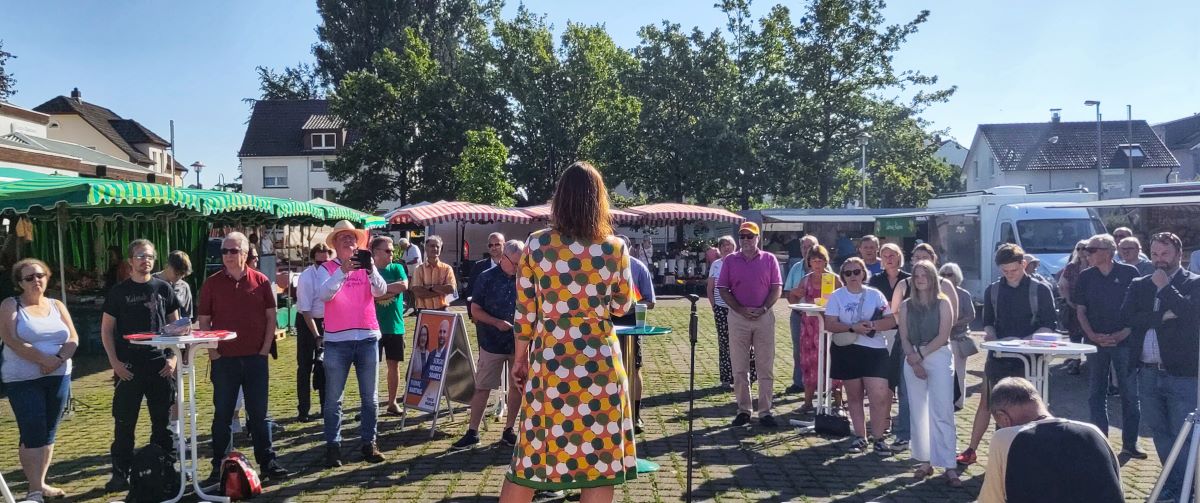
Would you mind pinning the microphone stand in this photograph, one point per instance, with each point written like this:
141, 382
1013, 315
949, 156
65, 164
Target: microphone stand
693, 328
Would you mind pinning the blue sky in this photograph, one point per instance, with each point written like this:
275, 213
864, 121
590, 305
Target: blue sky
1012, 61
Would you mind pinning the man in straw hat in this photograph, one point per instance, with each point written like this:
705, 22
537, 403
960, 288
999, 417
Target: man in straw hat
351, 337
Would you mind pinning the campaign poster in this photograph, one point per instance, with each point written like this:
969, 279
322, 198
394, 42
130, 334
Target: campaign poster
427, 366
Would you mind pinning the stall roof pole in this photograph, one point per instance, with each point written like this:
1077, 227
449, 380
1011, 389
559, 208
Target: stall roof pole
62, 267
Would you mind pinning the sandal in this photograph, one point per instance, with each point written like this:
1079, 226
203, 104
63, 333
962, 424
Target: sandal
952, 479
923, 471
53, 492
967, 458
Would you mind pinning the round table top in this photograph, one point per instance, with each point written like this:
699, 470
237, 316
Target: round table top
1024, 347
807, 308
646, 330
196, 337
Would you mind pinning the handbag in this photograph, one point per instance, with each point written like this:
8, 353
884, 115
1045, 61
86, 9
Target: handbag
833, 424
844, 338
964, 346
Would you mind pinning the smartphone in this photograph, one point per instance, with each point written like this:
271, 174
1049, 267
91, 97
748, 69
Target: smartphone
363, 257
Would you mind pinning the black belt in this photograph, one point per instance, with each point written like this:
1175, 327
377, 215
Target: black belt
1155, 366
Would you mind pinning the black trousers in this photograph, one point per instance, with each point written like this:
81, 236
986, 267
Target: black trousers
159, 393
307, 356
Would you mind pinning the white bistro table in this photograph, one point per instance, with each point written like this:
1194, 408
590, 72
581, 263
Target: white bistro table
823, 395
1036, 356
187, 346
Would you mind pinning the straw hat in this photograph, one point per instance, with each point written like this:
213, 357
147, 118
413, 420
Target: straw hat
360, 235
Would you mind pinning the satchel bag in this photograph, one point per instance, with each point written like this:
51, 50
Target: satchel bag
833, 424
844, 338
964, 346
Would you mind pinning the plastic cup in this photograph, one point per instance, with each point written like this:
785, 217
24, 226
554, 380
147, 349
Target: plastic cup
639, 313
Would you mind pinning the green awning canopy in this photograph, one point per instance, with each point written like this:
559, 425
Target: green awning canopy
41, 196
334, 211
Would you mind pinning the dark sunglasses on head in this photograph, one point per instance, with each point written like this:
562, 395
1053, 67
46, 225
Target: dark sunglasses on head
36, 275
230, 251
850, 273
747, 236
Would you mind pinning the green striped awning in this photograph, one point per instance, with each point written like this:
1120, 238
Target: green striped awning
46, 194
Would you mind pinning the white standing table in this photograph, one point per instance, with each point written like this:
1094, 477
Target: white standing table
824, 383
1037, 358
185, 348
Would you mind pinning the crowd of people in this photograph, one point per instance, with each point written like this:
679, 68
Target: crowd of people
545, 311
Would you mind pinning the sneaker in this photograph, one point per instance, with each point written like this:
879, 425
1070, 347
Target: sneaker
469, 441
333, 456
1134, 453
767, 421
371, 453
858, 445
794, 390
882, 448
742, 419
117, 483
638, 426
967, 458
899, 445
33, 497
274, 472
509, 437
304, 418
1073, 367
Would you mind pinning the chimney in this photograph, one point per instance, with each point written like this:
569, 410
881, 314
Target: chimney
1054, 117
76, 95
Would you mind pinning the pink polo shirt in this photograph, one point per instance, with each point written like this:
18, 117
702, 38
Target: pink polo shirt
749, 279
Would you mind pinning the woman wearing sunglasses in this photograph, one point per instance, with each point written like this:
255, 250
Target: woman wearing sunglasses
863, 365
39, 340
807, 291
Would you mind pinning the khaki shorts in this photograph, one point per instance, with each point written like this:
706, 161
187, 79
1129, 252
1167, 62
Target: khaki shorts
489, 371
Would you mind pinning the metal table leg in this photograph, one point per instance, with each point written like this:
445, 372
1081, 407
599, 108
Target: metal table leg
192, 465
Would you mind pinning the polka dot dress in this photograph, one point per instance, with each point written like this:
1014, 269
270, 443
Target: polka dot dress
576, 419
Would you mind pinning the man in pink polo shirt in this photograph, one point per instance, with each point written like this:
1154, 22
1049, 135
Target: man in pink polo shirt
750, 284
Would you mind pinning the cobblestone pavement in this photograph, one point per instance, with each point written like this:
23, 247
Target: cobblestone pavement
750, 464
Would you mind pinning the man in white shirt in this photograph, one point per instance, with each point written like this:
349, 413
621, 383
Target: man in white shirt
310, 331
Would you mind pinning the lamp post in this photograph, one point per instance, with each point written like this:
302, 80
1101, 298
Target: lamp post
862, 141
198, 166
1099, 169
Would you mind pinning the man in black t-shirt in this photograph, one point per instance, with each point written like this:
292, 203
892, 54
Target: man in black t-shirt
1035, 457
139, 304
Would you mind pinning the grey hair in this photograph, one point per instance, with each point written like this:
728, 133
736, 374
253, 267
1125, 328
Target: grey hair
809, 237
496, 235
1131, 239
726, 239
514, 246
1013, 392
433, 239
403, 242
378, 240
954, 270
242, 240
140, 243
1107, 239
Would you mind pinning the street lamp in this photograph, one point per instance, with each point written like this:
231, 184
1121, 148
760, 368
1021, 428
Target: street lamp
862, 141
1099, 169
198, 166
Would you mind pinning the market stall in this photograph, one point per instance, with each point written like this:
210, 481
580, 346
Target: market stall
481, 218
679, 266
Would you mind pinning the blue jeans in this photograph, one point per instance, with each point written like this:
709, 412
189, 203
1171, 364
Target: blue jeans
1098, 369
1166, 402
797, 323
900, 426
364, 355
38, 404
249, 375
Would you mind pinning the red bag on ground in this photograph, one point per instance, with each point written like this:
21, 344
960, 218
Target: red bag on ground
238, 480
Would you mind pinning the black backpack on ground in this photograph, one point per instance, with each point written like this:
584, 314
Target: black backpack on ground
153, 477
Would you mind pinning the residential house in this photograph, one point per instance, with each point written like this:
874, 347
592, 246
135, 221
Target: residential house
952, 152
1060, 155
24, 146
1182, 137
285, 149
74, 120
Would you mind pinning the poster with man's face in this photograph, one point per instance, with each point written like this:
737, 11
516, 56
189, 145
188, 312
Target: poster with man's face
427, 365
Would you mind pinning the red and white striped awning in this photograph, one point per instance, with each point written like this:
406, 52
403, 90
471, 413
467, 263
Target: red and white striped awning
678, 213
455, 211
620, 217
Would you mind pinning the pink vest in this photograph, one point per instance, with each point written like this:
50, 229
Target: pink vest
353, 307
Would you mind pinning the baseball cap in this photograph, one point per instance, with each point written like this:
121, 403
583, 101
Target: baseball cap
749, 226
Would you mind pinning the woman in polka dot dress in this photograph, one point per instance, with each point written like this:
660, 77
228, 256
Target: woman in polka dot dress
576, 419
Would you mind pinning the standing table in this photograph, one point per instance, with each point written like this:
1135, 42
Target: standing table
643, 465
186, 347
823, 394
1037, 357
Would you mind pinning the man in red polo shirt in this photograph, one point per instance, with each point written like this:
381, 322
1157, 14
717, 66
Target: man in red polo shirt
750, 284
242, 300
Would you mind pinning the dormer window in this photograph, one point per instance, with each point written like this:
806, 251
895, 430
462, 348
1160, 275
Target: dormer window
324, 141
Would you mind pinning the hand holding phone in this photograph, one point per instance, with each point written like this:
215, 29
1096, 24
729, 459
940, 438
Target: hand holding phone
363, 258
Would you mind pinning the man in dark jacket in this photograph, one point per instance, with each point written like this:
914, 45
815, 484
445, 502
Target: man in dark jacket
1162, 310
495, 249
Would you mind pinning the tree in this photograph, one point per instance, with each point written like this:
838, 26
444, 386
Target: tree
480, 173
8, 81
299, 82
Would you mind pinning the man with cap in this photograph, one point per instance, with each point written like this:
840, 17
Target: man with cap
750, 284
351, 337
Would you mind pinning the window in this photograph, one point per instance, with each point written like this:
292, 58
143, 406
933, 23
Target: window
992, 165
326, 194
323, 141
1057, 235
275, 177
318, 166
975, 168
1006, 233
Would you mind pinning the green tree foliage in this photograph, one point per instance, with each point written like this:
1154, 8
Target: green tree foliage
480, 173
299, 82
8, 81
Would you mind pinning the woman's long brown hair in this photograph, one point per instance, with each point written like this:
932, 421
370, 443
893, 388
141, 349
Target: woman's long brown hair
580, 205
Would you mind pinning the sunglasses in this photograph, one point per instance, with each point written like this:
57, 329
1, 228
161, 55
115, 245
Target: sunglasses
230, 251
148, 257
1130, 248
850, 273
389, 251
1080, 249
35, 276
494, 245
947, 275
1094, 249
747, 236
